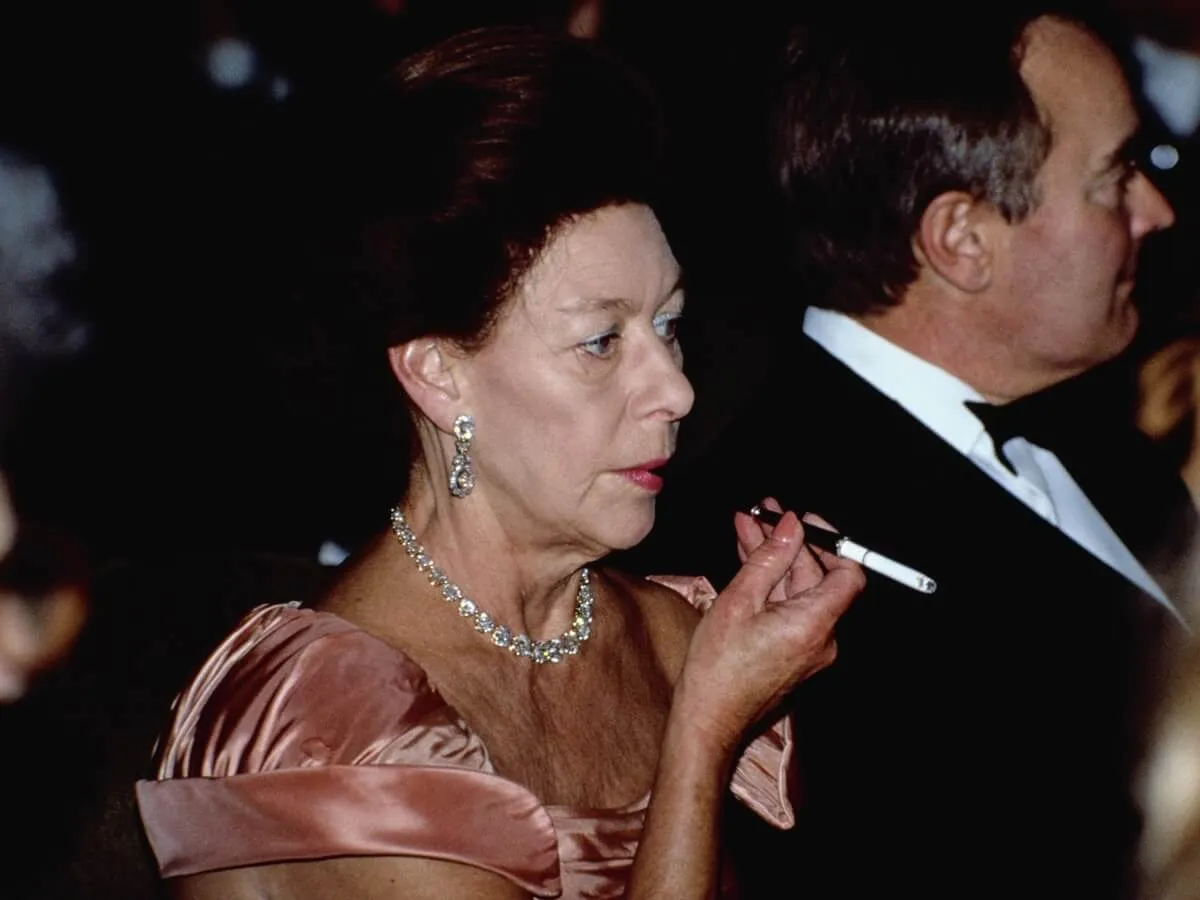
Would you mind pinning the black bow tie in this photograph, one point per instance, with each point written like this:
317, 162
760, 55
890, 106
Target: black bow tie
1068, 418
1015, 419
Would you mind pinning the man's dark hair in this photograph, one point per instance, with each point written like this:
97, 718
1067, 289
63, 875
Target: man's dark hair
877, 115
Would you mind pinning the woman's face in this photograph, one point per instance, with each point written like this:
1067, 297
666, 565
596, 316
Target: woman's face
578, 393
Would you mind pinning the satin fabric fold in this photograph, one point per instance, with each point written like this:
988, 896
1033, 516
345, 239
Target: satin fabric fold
200, 824
596, 847
304, 737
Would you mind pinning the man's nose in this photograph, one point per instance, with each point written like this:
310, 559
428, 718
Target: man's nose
1149, 209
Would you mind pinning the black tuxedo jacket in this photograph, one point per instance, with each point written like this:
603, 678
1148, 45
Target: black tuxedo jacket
978, 741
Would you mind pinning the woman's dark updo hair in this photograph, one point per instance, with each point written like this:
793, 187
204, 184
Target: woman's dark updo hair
473, 153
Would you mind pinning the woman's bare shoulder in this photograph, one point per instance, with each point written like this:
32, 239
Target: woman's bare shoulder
682, 596
370, 594
668, 612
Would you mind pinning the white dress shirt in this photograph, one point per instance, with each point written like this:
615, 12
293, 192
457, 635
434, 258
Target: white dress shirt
935, 398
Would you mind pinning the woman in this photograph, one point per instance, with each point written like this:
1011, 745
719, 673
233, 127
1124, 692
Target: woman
557, 728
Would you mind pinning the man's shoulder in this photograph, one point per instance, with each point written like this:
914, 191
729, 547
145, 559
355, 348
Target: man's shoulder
818, 438
811, 407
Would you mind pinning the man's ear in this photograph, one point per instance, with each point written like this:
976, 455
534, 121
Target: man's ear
956, 240
425, 368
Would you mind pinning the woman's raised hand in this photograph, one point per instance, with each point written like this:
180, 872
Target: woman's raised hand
772, 627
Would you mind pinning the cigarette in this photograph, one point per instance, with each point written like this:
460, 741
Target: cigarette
844, 547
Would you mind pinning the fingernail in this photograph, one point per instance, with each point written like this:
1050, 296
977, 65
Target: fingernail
786, 528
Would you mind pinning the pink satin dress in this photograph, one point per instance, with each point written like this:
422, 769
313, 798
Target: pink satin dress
304, 737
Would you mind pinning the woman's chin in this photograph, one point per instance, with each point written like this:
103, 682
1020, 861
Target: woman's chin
627, 531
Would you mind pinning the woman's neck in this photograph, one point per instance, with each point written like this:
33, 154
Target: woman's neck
526, 587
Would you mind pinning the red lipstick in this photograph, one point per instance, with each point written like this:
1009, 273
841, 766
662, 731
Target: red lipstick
644, 476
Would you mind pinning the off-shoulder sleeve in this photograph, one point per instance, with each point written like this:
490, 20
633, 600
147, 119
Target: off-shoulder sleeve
760, 779
304, 737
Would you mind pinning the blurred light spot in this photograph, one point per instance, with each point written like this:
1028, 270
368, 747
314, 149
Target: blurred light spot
1164, 156
330, 554
280, 88
230, 63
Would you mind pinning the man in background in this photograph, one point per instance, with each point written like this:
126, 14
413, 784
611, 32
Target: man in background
966, 214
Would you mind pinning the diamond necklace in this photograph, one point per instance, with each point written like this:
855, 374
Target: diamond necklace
549, 651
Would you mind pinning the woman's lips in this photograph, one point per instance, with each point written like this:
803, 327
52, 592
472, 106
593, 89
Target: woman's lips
644, 476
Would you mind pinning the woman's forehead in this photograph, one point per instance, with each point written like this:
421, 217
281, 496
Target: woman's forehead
612, 256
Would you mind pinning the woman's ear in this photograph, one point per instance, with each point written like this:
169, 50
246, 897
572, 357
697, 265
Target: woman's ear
425, 368
956, 240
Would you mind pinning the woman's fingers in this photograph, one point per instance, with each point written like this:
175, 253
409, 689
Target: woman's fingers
750, 534
766, 558
810, 563
768, 639
833, 594
806, 569
751, 531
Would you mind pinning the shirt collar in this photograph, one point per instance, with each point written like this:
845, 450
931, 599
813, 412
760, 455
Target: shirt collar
930, 394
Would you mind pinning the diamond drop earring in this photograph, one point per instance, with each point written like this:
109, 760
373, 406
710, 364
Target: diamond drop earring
462, 476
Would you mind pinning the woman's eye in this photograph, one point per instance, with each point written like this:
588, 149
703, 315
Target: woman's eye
602, 345
666, 325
